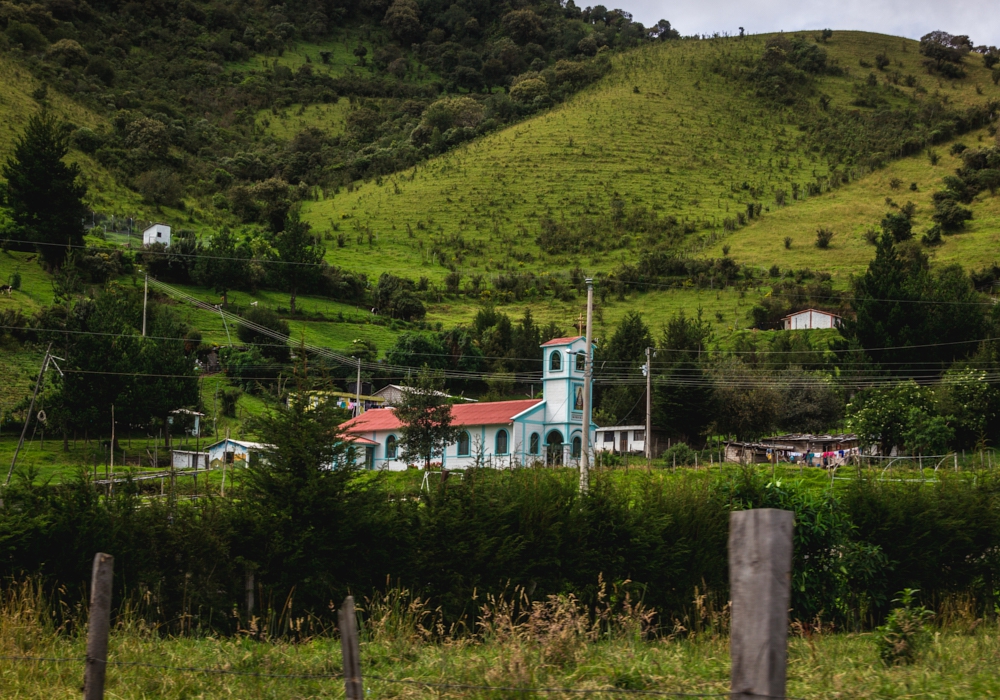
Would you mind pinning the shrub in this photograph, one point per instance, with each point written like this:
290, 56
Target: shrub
788, 242
678, 454
823, 237
900, 640
229, 397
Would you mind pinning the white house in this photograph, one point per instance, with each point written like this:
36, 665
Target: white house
809, 319
157, 233
188, 459
236, 452
392, 394
622, 439
498, 433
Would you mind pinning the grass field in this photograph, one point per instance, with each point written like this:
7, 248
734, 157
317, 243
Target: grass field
398, 662
286, 123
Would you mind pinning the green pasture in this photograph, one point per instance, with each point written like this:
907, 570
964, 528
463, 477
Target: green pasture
284, 124
664, 132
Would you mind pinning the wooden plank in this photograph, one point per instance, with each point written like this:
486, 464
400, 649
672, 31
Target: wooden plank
98, 626
760, 578
348, 623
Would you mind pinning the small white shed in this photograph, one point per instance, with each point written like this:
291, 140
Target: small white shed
157, 233
622, 439
808, 319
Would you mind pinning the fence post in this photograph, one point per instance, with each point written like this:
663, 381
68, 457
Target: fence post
350, 649
98, 626
760, 576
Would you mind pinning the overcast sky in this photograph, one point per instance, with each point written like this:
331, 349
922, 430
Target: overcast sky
911, 18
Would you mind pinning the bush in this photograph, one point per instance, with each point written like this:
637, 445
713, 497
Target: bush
678, 454
823, 237
788, 242
900, 640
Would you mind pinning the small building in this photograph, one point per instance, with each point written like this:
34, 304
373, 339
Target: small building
236, 452
809, 319
392, 395
624, 439
546, 430
188, 459
157, 233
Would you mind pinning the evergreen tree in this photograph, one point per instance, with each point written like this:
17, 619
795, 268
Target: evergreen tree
683, 400
426, 417
43, 193
223, 265
301, 255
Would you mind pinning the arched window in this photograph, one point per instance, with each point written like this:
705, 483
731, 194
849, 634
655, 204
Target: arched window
555, 361
501, 442
463, 444
535, 444
581, 361
577, 447
390, 447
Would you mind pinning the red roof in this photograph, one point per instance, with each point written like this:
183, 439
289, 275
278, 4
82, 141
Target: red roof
490, 413
562, 341
358, 440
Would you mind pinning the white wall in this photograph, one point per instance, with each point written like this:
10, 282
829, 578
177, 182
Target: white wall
157, 233
809, 319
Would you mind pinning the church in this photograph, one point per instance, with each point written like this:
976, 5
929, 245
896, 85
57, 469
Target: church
546, 430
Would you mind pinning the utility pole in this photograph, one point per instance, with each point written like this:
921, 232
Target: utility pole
145, 295
357, 391
649, 406
588, 375
31, 409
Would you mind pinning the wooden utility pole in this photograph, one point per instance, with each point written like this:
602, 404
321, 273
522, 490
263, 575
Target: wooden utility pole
31, 410
649, 406
760, 578
349, 647
145, 295
588, 375
98, 626
357, 391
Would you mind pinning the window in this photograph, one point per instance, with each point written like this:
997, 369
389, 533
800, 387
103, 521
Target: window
577, 447
463, 444
390, 447
534, 444
578, 397
639, 435
581, 361
555, 361
501, 442
609, 436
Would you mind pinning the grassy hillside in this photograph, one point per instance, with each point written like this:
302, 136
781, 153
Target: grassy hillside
668, 134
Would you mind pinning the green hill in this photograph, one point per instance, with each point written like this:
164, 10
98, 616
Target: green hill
664, 135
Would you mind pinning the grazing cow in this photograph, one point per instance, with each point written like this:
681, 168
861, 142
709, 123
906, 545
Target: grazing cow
6, 289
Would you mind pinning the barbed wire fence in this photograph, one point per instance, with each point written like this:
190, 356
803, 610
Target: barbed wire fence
767, 533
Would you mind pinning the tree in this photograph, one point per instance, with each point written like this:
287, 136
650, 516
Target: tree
223, 265
624, 353
426, 416
108, 362
43, 193
403, 21
297, 504
883, 417
300, 254
748, 402
269, 347
683, 401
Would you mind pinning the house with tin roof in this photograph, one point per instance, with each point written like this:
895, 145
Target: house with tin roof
547, 430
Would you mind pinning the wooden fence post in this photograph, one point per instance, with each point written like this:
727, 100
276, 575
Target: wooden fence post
760, 577
98, 627
351, 650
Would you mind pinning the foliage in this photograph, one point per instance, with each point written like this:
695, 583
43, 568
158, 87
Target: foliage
269, 347
425, 414
44, 194
904, 635
679, 454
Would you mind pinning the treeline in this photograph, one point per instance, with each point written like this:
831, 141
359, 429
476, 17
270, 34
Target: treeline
172, 80
309, 535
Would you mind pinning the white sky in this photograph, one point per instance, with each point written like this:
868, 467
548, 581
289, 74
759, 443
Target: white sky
910, 18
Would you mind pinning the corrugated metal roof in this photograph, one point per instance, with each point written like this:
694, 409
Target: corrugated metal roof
490, 413
562, 341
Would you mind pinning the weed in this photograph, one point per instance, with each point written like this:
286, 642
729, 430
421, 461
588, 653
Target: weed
901, 639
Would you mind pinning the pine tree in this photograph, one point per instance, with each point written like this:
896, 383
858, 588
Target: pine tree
301, 255
43, 193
